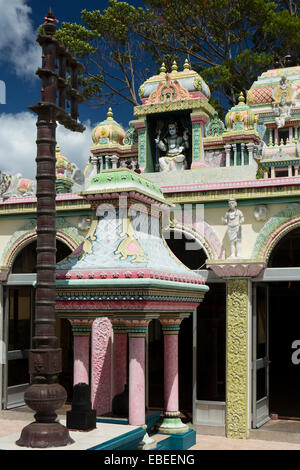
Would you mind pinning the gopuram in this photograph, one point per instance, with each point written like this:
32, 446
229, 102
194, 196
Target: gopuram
178, 259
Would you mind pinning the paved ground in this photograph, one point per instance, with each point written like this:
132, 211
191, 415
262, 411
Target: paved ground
13, 421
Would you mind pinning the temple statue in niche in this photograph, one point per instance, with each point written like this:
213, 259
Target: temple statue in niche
234, 219
175, 147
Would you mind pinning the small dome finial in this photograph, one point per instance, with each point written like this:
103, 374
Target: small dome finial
110, 114
186, 65
163, 68
174, 66
57, 149
241, 98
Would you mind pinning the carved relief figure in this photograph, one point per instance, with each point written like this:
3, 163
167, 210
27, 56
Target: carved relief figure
234, 219
175, 147
283, 96
130, 245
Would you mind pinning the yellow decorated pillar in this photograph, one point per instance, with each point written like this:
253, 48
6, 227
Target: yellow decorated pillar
238, 275
237, 357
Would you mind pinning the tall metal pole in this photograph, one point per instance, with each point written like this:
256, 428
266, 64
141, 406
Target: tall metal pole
45, 395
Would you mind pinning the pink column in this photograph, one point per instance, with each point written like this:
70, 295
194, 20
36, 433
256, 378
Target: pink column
137, 415
81, 329
171, 422
171, 372
101, 365
120, 358
81, 359
137, 330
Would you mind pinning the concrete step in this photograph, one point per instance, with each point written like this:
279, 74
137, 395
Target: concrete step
279, 431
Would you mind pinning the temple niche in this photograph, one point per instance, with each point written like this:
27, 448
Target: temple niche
171, 119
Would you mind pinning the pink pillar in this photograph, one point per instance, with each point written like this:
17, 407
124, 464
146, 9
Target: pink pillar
137, 416
101, 365
171, 372
137, 330
120, 360
81, 329
171, 422
81, 359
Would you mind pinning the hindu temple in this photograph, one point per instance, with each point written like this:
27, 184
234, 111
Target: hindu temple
178, 260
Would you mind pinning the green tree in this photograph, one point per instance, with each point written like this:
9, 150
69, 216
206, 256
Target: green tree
107, 45
229, 42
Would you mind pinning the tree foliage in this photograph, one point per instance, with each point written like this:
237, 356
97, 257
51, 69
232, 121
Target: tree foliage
229, 42
110, 49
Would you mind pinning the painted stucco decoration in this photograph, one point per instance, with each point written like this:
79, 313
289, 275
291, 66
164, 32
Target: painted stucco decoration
274, 229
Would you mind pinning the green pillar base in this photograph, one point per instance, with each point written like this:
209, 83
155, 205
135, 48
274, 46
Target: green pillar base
172, 425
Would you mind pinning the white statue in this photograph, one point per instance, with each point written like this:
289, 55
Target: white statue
174, 146
234, 219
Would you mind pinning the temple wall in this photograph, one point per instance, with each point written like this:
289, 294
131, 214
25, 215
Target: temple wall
250, 228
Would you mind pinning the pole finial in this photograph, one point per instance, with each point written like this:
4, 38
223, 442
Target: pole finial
50, 23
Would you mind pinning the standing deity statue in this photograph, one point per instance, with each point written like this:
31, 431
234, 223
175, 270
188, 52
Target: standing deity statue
234, 219
175, 147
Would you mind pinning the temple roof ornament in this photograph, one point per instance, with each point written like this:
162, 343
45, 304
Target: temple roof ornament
187, 78
215, 127
108, 132
240, 117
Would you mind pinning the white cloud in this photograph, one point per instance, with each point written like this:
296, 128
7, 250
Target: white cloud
18, 144
18, 45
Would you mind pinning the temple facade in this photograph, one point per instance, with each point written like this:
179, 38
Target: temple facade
177, 249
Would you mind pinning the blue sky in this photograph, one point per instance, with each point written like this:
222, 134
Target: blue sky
19, 59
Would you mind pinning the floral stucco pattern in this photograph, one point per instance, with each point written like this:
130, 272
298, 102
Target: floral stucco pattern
237, 359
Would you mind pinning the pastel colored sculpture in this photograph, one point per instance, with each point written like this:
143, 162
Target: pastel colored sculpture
234, 219
283, 96
175, 147
19, 186
130, 246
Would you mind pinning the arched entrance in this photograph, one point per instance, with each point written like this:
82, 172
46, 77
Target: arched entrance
192, 254
284, 330
19, 295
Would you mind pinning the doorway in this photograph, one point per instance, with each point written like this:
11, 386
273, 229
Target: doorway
279, 353
285, 349
19, 315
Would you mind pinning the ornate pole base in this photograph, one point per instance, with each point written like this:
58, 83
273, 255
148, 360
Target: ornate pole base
172, 424
45, 431
42, 436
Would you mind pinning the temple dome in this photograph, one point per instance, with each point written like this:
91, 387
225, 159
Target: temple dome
240, 117
261, 92
64, 170
62, 163
187, 78
108, 132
